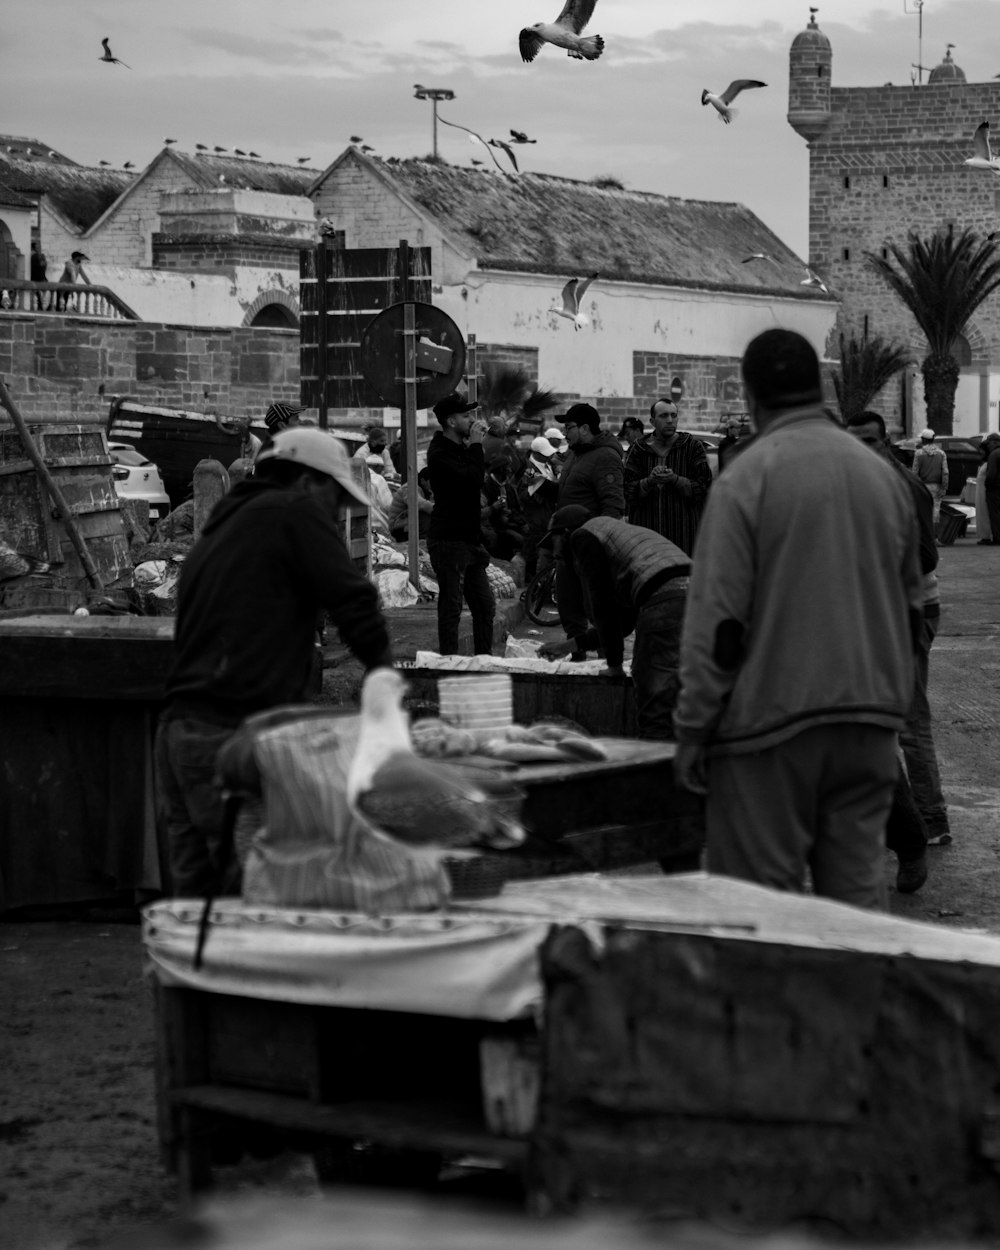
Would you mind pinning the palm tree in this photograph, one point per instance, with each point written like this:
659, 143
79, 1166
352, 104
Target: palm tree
507, 391
942, 281
866, 365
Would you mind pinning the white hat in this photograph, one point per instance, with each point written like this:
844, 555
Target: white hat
554, 434
542, 447
316, 449
928, 434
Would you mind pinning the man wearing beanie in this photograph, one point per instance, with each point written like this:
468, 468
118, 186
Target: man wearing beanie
457, 468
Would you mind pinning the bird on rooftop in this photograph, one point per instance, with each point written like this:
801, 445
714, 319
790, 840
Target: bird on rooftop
128, 165
367, 147
518, 136
356, 138
304, 160
255, 154
201, 147
53, 156
429, 805
564, 32
721, 103
239, 152
105, 164
111, 60
983, 157
219, 149
813, 279
572, 294
169, 141
759, 256
473, 161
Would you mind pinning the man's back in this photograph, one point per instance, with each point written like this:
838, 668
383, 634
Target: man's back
807, 572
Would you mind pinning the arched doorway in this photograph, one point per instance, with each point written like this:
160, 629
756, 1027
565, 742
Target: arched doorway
276, 316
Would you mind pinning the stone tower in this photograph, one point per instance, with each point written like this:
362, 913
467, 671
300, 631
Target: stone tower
810, 63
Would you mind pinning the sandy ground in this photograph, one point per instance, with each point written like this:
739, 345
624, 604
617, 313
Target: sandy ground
78, 1148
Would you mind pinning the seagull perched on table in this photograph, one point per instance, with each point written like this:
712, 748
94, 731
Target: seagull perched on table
721, 103
430, 805
572, 294
518, 136
111, 60
983, 158
564, 32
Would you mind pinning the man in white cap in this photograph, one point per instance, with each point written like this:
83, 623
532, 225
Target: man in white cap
270, 558
557, 438
930, 464
537, 492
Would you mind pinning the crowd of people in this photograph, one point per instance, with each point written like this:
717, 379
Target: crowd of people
782, 611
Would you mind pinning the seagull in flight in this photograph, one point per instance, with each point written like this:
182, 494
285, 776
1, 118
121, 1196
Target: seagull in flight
721, 103
518, 136
476, 137
983, 158
572, 294
564, 32
108, 55
813, 279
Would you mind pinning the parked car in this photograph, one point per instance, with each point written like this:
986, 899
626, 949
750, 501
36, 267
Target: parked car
135, 477
962, 455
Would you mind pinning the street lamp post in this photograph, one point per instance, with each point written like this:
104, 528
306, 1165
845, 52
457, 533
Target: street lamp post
434, 94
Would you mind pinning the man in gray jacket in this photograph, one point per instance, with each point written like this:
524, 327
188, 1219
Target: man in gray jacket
797, 653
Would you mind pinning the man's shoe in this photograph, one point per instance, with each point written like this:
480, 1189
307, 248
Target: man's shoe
577, 657
911, 875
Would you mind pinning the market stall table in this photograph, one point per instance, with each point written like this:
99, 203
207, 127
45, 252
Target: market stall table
686, 1044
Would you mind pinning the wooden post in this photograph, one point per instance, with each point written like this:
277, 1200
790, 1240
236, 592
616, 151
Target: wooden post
55, 493
409, 424
471, 368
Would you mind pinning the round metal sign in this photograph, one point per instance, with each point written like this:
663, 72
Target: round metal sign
676, 389
440, 352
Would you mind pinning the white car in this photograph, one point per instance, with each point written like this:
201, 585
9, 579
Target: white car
135, 477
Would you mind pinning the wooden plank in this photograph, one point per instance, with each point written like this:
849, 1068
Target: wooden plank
415, 1125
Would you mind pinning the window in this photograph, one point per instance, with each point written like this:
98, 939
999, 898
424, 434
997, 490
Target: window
885, 253
885, 180
845, 253
847, 182
820, 70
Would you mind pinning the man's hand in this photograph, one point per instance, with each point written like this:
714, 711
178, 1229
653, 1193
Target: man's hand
556, 650
477, 431
689, 767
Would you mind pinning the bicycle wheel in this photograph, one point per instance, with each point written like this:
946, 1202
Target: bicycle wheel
540, 598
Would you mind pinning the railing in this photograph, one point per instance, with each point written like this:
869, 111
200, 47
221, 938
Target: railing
63, 298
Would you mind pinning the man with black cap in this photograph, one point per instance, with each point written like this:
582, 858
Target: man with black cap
805, 609
591, 478
244, 644
457, 469
631, 579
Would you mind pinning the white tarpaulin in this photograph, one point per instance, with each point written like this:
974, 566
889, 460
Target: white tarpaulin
482, 967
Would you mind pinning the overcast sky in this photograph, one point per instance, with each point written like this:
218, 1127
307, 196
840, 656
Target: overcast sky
298, 77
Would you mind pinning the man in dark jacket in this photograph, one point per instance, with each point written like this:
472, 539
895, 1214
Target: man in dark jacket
631, 579
592, 478
457, 469
269, 559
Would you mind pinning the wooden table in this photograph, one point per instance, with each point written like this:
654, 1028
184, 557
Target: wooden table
78, 704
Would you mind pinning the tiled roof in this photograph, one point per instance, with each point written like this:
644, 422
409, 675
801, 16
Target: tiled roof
80, 193
246, 174
546, 224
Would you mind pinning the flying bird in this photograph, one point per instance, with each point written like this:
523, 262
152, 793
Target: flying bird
430, 805
813, 279
572, 294
518, 136
983, 157
488, 144
564, 32
722, 102
108, 56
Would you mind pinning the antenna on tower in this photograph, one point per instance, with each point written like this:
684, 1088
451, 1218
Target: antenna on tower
918, 8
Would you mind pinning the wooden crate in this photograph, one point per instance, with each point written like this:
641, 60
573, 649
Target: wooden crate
77, 457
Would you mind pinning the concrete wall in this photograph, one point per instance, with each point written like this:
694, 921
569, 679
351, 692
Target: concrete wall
230, 210
69, 368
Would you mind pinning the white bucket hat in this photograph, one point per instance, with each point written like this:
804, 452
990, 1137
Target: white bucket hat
318, 450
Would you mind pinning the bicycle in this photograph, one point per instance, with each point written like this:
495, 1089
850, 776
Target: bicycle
539, 597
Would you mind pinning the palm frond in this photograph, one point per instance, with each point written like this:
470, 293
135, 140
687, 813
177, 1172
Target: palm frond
537, 402
866, 366
502, 389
